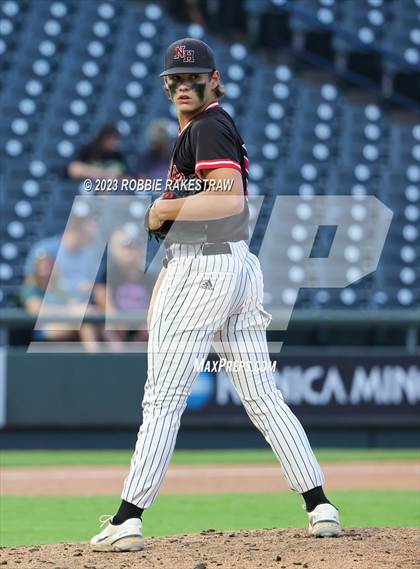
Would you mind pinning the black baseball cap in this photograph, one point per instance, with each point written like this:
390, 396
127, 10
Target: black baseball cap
188, 55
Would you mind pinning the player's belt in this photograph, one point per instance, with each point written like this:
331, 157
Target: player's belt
222, 248
216, 249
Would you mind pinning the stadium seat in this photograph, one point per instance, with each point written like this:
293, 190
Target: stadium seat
67, 67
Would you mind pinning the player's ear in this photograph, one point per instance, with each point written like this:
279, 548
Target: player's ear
216, 84
214, 78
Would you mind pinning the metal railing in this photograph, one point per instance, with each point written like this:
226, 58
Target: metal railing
404, 321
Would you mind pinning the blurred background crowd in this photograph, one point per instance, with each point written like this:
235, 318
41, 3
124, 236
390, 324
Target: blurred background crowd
326, 94
61, 281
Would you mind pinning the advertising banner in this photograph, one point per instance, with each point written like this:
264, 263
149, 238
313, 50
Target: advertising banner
324, 390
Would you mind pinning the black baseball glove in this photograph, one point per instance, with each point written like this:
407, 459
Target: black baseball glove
161, 232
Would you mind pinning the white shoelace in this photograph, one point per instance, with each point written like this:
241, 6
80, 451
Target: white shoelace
105, 519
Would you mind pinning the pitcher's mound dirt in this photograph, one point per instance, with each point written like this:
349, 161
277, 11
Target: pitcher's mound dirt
271, 548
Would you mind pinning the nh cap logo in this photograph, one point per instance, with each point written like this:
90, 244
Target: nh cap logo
187, 55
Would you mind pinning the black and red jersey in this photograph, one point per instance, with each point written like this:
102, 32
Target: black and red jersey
208, 141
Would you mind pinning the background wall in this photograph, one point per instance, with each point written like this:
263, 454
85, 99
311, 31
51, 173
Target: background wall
326, 96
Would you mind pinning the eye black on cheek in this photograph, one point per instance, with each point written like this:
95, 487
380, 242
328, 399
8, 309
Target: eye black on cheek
172, 87
199, 88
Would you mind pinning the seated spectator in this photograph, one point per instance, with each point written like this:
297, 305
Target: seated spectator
77, 256
188, 11
125, 288
36, 283
228, 19
154, 162
43, 287
100, 158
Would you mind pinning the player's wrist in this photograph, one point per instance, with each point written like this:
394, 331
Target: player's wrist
155, 219
158, 210
154, 209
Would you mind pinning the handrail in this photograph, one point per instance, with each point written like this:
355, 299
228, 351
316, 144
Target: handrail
407, 321
15, 318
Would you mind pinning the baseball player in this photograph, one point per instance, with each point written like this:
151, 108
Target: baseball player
209, 291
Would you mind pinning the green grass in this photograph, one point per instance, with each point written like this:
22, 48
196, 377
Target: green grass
35, 520
263, 456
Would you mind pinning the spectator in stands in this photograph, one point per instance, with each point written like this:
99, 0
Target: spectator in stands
35, 285
226, 19
43, 287
124, 287
76, 259
188, 11
100, 158
154, 162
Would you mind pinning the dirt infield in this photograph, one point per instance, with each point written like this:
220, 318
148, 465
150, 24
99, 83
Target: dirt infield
90, 480
389, 548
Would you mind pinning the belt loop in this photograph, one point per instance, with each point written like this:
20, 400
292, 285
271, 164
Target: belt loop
201, 248
168, 257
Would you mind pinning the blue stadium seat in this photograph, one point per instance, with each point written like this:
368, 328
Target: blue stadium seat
67, 67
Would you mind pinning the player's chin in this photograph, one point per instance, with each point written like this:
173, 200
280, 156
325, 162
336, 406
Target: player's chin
187, 105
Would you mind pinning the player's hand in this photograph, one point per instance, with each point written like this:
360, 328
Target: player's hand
154, 220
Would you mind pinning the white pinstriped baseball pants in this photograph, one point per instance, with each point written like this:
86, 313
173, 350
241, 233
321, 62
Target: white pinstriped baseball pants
188, 317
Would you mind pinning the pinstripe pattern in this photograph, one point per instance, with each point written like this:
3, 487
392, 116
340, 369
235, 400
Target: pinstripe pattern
187, 318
